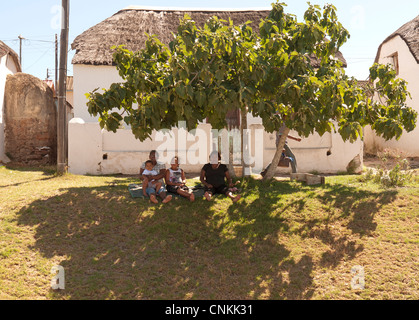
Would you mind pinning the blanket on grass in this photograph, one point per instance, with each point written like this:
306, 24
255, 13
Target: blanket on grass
136, 191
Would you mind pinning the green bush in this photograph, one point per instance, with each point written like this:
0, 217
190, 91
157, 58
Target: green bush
396, 176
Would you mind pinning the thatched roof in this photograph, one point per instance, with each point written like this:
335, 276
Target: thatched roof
4, 49
128, 27
409, 32
363, 83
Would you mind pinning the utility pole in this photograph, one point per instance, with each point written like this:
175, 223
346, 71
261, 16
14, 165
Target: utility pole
56, 64
62, 105
20, 49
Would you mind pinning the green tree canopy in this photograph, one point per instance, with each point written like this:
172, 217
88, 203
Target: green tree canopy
206, 72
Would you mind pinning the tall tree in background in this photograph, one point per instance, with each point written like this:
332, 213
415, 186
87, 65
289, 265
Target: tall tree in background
322, 99
203, 74
206, 72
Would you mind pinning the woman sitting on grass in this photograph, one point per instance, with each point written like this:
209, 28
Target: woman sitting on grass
161, 170
150, 185
213, 176
176, 181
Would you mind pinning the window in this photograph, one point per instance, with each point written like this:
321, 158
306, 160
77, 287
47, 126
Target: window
394, 61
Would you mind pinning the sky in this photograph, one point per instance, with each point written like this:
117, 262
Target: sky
369, 22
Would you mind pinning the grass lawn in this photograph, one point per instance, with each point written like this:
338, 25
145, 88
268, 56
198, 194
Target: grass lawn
282, 240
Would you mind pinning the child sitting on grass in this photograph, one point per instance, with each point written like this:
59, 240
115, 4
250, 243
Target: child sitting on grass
150, 185
176, 180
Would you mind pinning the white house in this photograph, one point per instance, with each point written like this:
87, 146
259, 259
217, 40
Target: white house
9, 64
95, 151
401, 50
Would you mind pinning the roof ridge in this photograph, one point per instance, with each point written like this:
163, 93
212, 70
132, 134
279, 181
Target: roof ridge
7, 50
404, 33
186, 9
131, 26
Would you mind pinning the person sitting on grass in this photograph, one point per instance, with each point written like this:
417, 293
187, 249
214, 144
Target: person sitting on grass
149, 182
176, 181
213, 177
160, 168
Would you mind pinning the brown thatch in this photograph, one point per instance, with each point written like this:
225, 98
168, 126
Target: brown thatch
409, 32
315, 62
363, 83
4, 49
128, 27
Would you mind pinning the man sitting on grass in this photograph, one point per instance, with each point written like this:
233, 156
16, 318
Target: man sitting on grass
213, 176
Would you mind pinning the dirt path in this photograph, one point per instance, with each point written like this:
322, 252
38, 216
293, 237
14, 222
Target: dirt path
374, 162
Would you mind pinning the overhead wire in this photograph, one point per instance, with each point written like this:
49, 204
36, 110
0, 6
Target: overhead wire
35, 45
42, 56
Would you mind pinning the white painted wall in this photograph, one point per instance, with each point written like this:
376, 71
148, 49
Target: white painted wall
409, 71
312, 152
96, 151
7, 66
86, 79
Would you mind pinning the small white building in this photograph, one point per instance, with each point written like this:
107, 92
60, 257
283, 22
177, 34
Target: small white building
401, 50
96, 151
9, 64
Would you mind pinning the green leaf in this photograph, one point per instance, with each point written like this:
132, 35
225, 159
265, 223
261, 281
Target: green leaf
201, 98
219, 75
208, 70
181, 90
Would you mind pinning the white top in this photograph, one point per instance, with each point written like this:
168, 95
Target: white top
150, 172
175, 175
158, 167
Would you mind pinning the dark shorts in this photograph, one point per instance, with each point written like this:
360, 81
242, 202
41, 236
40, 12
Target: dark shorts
223, 189
174, 189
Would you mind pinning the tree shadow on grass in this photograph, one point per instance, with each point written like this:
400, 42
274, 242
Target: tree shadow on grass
114, 247
359, 207
347, 214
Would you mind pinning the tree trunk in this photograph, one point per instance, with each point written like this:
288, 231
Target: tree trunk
243, 126
230, 158
274, 164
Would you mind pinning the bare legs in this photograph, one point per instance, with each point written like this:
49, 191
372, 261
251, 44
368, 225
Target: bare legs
234, 198
186, 194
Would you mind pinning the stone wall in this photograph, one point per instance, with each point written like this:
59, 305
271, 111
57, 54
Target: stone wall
30, 119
